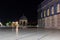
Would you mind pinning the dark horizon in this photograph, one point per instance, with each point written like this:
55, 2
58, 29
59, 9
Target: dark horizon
14, 9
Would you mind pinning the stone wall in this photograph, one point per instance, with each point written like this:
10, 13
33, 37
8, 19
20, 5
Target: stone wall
51, 22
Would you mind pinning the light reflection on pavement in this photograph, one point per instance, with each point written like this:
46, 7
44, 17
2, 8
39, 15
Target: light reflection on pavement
30, 34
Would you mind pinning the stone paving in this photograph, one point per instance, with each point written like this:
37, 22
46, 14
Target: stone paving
30, 34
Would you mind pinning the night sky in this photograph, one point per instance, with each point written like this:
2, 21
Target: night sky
12, 10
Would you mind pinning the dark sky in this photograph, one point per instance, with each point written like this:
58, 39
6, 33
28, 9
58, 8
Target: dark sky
14, 9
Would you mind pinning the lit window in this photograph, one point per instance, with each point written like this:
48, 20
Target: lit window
44, 13
48, 12
52, 10
58, 8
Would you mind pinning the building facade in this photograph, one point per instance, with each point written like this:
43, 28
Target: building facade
49, 14
23, 21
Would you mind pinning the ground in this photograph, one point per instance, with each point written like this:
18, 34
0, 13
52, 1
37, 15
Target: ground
30, 34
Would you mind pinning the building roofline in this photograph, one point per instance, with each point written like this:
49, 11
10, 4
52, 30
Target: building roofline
49, 3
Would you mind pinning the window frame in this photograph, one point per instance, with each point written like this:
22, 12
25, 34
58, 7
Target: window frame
58, 8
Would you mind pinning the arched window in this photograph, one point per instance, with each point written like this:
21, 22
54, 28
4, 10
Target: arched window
52, 10
44, 13
58, 8
24, 23
48, 12
41, 15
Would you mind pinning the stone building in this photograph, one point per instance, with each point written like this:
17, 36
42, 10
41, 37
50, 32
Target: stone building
23, 21
49, 14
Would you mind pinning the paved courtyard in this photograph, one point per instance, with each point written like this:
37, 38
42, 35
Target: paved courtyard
30, 34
